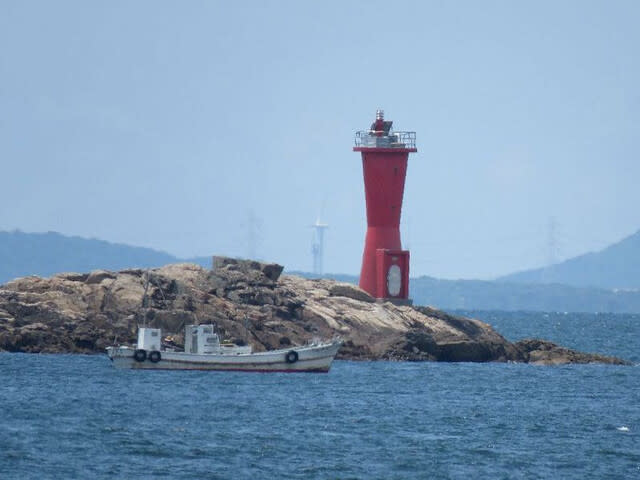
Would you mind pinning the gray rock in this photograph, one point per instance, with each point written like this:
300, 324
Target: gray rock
74, 277
543, 352
271, 271
350, 291
98, 276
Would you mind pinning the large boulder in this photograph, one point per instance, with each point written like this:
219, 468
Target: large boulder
97, 276
271, 271
350, 291
543, 352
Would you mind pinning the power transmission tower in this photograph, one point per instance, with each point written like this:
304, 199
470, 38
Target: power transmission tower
317, 245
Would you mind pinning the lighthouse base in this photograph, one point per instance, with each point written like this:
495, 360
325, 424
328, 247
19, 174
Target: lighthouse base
385, 274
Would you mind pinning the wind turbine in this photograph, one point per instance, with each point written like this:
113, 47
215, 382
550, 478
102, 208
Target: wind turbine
317, 245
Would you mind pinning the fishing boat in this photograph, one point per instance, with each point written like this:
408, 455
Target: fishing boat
204, 351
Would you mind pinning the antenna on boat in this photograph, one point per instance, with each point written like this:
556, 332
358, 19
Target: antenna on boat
143, 304
146, 288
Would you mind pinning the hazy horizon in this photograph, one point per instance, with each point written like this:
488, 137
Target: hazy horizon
207, 128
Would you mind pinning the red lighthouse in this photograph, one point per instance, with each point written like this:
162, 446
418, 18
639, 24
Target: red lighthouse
385, 266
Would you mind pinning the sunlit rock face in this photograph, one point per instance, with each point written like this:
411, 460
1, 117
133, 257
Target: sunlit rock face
250, 302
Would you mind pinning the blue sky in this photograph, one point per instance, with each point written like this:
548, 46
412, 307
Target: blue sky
172, 124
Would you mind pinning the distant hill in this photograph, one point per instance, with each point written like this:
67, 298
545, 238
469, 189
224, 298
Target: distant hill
617, 266
489, 295
494, 295
46, 254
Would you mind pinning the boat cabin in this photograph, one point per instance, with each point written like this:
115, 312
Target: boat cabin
149, 339
198, 339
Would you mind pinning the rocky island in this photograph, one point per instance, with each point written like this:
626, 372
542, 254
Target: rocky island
250, 302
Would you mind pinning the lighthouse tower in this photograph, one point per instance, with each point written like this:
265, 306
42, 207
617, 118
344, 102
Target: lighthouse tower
385, 266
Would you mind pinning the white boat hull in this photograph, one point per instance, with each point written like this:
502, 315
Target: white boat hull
312, 358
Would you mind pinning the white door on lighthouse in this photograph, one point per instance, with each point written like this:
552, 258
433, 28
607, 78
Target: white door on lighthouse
394, 280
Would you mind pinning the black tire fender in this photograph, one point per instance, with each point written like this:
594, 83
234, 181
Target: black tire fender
140, 355
291, 356
155, 357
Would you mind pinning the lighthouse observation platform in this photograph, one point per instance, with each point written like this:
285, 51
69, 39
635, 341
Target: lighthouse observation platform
377, 139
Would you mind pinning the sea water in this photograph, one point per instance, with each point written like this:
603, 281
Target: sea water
75, 416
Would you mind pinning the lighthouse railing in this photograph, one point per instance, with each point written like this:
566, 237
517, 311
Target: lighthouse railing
370, 138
